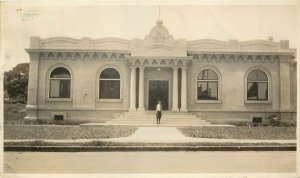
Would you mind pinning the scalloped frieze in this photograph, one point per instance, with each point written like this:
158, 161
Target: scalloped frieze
236, 58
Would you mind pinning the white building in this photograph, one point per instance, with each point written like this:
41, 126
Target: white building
94, 80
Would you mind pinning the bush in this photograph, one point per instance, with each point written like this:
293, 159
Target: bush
16, 81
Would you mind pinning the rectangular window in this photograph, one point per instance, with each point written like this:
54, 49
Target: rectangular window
60, 88
207, 90
58, 117
257, 120
109, 89
257, 91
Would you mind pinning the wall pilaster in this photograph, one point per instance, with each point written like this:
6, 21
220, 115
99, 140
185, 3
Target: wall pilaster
31, 106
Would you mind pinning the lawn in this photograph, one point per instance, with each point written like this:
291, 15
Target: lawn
242, 132
14, 112
65, 132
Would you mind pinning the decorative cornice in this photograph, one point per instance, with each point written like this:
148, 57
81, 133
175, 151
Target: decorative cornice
159, 62
81, 55
238, 58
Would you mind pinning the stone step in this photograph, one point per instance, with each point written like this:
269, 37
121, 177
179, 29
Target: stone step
154, 117
135, 120
149, 118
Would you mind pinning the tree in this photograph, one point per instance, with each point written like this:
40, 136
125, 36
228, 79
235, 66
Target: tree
16, 81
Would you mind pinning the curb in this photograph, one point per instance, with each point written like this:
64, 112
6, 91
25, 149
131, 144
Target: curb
146, 148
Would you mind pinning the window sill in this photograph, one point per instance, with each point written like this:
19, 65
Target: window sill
209, 101
257, 102
110, 100
59, 99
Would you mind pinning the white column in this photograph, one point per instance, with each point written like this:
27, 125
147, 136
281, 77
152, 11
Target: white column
183, 89
141, 90
132, 88
31, 106
175, 89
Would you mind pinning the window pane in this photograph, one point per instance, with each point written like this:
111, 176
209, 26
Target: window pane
65, 88
110, 73
262, 91
252, 76
60, 72
261, 76
212, 75
252, 91
207, 90
212, 90
202, 90
207, 74
202, 75
54, 88
109, 89
257, 75
257, 91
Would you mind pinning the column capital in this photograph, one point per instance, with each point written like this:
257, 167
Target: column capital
175, 67
141, 67
133, 66
184, 67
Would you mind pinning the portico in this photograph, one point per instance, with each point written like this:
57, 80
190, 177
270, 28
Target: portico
158, 69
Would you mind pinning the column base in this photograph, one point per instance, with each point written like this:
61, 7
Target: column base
183, 110
141, 109
175, 109
132, 109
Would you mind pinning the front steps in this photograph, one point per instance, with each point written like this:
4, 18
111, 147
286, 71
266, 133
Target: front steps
149, 118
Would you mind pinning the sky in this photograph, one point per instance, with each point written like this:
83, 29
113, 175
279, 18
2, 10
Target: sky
221, 21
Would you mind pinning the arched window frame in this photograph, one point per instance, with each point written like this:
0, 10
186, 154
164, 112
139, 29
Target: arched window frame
49, 72
101, 69
269, 85
219, 100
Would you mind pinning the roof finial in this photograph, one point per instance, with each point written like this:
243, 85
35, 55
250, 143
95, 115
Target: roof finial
159, 21
158, 12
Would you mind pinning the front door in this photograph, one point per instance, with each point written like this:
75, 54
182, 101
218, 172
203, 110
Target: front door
158, 91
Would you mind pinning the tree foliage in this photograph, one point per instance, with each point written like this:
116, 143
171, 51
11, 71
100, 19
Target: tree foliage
16, 81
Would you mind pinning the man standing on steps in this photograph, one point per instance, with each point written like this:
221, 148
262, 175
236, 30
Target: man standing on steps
158, 112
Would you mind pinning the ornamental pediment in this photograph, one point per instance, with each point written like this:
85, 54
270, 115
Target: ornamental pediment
158, 43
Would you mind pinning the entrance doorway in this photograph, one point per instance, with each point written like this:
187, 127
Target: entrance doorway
158, 90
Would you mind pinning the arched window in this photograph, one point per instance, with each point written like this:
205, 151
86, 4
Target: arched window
257, 85
60, 83
109, 84
207, 85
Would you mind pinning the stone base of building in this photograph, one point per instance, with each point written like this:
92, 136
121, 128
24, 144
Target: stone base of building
102, 116
30, 120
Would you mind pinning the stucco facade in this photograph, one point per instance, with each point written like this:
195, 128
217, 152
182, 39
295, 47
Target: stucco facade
172, 65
